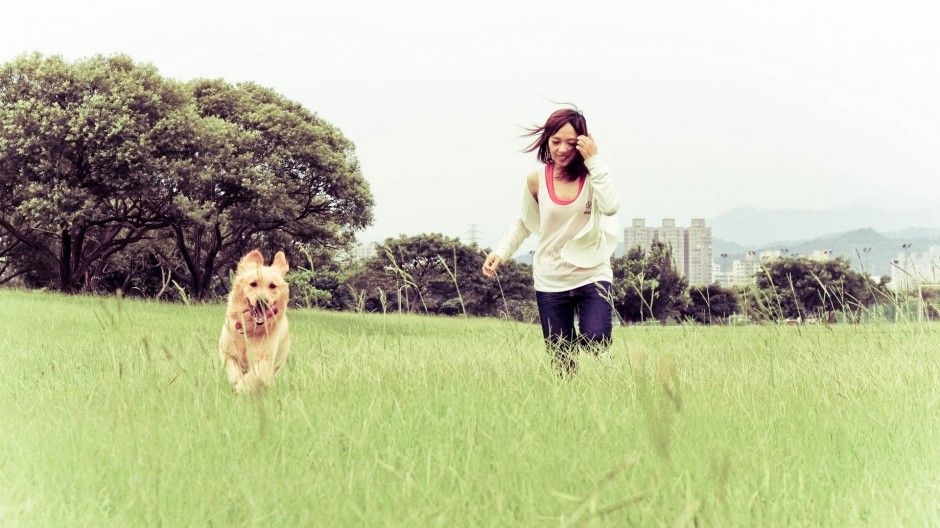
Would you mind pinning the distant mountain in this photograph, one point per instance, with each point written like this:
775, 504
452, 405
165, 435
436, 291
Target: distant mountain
914, 232
866, 249
757, 227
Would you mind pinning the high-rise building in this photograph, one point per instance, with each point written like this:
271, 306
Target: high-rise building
691, 246
698, 252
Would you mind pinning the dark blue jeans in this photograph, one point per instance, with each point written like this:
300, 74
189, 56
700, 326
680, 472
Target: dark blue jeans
557, 311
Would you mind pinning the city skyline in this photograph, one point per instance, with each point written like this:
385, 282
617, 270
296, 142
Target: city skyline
691, 247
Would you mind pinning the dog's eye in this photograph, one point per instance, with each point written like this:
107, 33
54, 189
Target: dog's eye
272, 286
254, 284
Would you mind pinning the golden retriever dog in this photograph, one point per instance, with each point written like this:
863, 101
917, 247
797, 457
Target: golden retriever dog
255, 342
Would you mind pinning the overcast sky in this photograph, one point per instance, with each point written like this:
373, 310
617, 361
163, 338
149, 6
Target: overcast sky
698, 107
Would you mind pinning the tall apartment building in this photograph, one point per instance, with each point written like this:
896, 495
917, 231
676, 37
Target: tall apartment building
691, 246
698, 252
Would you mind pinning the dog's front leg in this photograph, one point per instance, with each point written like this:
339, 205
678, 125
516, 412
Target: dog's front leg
259, 375
235, 377
263, 371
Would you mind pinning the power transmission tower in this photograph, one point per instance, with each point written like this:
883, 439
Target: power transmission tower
474, 232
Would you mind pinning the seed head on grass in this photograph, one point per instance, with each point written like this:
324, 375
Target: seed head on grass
661, 408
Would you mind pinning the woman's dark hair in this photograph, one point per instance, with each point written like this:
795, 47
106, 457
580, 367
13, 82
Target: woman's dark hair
553, 124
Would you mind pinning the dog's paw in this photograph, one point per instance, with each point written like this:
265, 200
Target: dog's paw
242, 386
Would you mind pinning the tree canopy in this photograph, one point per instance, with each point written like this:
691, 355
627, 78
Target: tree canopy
803, 288
711, 304
647, 286
85, 149
433, 273
104, 156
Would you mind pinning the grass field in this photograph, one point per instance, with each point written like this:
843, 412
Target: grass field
117, 413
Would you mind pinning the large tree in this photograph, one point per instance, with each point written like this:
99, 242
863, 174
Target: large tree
104, 156
85, 151
434, 273
272, 174
801, 288
711, 304
647, 286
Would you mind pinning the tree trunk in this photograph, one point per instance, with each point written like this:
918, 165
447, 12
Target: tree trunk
66, 284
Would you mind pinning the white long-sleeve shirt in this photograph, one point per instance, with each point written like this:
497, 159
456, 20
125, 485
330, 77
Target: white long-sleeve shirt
594, 243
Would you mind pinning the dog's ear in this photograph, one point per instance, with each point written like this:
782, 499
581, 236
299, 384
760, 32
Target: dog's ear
280, 262
249, 262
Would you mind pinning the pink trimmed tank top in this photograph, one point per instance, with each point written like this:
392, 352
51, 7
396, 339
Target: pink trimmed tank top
560, 220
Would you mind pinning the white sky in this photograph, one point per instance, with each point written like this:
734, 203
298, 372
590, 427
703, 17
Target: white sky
698, 106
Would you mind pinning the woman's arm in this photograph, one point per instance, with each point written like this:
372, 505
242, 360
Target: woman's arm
606, 198
517, 232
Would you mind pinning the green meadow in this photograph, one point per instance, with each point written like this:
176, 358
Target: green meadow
117, 413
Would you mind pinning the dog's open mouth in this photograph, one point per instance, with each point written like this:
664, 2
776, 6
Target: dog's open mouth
261, 311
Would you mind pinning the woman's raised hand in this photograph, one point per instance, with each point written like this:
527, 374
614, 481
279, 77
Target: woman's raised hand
586, 146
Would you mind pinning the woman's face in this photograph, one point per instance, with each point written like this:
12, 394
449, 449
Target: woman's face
562, 145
